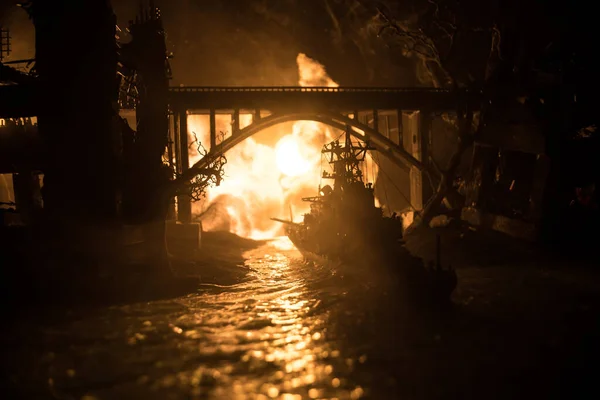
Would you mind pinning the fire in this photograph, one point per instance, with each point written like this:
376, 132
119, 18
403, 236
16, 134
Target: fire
312, 73
267, 174
289, 160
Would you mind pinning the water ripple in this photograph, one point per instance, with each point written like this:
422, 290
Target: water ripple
263, 338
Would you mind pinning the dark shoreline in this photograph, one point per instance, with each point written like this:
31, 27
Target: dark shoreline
27, 287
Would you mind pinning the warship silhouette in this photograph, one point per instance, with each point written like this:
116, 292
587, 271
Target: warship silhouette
345, 228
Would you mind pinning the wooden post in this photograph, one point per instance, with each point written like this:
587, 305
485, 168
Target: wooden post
184, 205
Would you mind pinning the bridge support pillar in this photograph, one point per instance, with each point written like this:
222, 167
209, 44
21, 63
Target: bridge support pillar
184, 204
376, 120
235, 124
416, 136
256, 115
213, 129
172, 152
400, 137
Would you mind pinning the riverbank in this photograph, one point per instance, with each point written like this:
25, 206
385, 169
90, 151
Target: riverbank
29, 279
220, 261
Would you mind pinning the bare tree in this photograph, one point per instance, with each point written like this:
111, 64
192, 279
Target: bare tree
208, 172
193, 182
451, 52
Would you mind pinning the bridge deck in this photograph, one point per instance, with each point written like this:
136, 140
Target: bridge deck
23, 100
296, 98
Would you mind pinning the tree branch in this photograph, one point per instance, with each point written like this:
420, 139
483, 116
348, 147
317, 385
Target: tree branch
415, 41
199, 177
207, 172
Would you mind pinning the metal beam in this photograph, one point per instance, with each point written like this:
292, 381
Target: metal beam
395, 153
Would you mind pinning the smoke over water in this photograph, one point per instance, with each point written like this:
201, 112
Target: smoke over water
268, 174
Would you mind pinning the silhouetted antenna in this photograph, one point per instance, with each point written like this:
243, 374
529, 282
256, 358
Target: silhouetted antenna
4, 43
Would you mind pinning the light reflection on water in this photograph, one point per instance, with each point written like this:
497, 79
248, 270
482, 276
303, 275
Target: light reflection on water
264, 338
292, 332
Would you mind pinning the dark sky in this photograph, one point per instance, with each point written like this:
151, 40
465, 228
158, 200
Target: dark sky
255, 42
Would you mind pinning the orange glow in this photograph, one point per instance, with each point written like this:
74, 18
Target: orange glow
289, 159
268, 174
312, 73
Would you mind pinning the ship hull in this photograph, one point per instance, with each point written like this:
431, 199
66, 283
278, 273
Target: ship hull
364, 263
308, 255
389, 268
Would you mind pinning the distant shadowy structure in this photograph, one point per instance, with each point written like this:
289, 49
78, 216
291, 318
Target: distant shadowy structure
105, 185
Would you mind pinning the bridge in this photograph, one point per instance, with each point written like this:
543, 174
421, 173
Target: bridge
397, 121
339, 107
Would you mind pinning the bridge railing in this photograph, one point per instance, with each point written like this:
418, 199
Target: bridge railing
311, 89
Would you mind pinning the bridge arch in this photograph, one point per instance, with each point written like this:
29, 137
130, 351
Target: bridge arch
393, 151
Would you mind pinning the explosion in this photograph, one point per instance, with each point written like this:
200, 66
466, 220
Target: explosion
289, 159
268, 174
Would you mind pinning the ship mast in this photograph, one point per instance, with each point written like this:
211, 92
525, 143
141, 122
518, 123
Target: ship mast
346, 160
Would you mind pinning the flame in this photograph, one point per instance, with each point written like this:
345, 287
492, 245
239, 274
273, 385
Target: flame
312, 73
289, 158
268, 174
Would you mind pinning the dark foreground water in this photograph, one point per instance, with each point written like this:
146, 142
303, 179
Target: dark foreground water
292, 331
